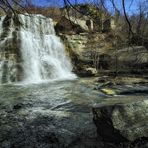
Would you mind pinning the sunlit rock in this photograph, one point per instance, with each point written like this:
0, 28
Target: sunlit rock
123, 120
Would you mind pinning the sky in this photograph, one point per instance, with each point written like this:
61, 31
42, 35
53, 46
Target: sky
131, 8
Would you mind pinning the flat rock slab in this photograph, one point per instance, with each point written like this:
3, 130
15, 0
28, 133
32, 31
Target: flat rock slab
123, 120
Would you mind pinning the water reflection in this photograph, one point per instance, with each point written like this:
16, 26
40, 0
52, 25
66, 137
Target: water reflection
58, 95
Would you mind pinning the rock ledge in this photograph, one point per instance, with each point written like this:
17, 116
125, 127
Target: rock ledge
122, 121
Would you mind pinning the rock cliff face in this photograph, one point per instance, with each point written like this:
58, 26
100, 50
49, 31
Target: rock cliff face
97, 50
122, 121
30, 50
131, 58
10, 56
87, 50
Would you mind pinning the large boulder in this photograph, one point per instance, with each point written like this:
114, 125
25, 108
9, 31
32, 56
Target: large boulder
122, 121
86, 72
65, 25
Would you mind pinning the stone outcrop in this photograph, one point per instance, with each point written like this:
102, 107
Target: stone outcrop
10, 56
132, 57
127, 60
122, 121
122, 85
64, 25
96, 50
87, 50
76, 46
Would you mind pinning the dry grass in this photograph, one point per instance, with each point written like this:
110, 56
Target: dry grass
52, 12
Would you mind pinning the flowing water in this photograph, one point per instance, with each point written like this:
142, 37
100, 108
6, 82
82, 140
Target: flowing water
39, 52
50, 113
44, 115
42, 51
57, 111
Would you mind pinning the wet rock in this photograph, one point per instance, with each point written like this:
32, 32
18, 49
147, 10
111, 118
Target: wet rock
126, 89
125, 122
101, 80
87, 72
106, 84
46, 129
133, 90
108, 91
122, 85
17, 106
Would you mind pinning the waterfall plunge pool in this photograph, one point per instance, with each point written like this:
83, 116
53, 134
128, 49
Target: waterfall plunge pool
52, 114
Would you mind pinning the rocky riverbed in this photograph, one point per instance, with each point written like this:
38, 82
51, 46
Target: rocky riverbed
54, 114
59, 115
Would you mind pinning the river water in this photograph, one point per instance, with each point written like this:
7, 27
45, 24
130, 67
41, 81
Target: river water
55, 114
38, 111
54, 95
51, 114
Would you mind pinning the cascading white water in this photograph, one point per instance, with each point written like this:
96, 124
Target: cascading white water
43, 53
38, 54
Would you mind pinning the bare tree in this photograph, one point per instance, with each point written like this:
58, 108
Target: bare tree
95, 13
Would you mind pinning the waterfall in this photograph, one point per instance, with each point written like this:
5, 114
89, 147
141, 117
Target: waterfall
40, 55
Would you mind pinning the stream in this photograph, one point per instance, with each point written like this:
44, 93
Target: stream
52, 114
55, 114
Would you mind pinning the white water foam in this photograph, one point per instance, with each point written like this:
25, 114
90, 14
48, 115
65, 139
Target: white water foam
43, 54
